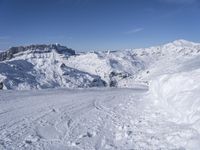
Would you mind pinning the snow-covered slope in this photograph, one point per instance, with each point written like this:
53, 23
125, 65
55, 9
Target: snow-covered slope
112, 67
178, 94
41, 66
129, 67
49, 66
90, 119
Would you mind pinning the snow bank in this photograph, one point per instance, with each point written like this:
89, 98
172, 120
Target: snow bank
179, 95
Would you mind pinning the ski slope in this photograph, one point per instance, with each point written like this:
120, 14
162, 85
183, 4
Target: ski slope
157, 106
89, 119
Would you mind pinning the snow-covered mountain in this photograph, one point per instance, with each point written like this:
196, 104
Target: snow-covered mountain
41, 66
49, 66
162, 111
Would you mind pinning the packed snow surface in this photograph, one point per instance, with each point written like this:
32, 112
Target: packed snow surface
154, 102
89, 119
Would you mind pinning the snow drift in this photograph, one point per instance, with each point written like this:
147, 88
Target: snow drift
179, 95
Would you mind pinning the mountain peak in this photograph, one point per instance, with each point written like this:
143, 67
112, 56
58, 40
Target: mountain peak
182, 42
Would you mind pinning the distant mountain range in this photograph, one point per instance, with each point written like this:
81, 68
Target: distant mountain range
55, 66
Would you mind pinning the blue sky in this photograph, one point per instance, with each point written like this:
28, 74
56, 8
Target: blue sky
98, 24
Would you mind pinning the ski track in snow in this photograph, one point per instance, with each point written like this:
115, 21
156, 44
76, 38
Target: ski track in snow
90, 119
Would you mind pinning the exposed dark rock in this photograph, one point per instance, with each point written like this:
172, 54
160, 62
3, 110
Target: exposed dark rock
96, 81
118, 74
62, 65
42, 48
114, 76
1, 85
113, 83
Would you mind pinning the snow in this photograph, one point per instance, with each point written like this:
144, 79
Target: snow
2, 78
155, 102
37, 68
31, 70
88, 119
179, 94
66, 119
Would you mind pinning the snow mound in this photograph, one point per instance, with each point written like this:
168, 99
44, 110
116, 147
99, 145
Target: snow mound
178, 94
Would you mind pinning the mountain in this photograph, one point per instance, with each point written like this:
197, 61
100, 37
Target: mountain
159, 109
53, 66
9, 54
41, 66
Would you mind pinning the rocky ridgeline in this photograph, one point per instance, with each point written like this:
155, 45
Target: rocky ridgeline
39, 48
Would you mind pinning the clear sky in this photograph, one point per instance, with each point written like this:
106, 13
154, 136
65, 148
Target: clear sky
98, 24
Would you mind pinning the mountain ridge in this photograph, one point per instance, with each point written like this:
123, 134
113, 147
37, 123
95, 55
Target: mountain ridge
51, 66
9, 54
